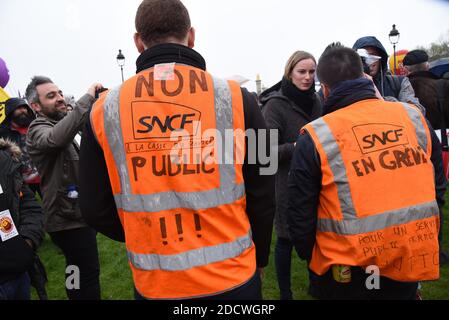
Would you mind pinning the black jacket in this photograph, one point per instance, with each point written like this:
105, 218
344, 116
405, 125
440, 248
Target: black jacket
16, 255
96, 198
282, 114
7, 133
304, 186
427, 89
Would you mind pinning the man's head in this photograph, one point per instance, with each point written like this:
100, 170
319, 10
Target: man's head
375, 66
416, 60
162, 21
338, 63
18, 112
46, 98
374, 47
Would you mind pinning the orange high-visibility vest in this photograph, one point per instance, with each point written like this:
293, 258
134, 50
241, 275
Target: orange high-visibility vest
377, 204
170, 137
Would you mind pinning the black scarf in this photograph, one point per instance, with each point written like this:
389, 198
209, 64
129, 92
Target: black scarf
169, 52
348, 92
303, 99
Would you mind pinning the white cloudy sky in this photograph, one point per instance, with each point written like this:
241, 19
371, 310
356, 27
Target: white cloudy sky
75, 42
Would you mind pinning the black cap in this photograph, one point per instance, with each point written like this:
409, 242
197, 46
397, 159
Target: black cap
415, 57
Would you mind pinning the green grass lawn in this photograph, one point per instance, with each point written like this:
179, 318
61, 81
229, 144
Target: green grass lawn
116, 281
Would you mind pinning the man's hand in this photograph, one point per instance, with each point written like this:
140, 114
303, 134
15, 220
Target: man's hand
94, 88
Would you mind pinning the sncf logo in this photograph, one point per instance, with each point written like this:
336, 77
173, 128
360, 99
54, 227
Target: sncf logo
159, 120
379, 136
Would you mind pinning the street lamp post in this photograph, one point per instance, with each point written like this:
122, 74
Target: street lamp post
121, 62
394, 39
258, 85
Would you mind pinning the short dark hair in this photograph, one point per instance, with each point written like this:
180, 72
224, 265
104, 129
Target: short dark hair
159, 20
31, 91
339, 63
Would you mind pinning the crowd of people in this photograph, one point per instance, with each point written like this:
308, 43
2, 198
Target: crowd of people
360, 179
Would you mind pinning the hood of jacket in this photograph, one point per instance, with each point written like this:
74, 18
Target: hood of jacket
11, 148
12, 104
371, 41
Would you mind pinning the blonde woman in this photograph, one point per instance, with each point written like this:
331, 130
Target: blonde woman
287, 107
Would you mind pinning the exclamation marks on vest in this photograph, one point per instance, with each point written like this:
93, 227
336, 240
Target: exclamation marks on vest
197, 224
179, 226
163, 231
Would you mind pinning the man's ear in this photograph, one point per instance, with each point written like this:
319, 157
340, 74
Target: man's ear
36, 107
191, 38
326, 90
139, 43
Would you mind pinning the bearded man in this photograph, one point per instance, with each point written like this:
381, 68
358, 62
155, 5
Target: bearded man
19, 115
52, 147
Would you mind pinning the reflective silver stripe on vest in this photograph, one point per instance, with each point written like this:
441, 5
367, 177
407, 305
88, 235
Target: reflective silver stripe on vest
172, 200
415, 116
337, 167
351, 224
380, 221
228, 192
190, 259
114, 135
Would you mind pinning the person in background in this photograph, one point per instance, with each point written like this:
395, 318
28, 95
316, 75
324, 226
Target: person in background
51, 146
287, 107
358, 205
427, 87
391, 87
19, 116
433, 93
21, 226
192, 230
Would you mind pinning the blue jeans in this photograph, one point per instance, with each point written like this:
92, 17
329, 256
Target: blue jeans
283, 263
17, 289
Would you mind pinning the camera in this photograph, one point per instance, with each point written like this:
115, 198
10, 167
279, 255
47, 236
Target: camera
97, 92
366, 68
367, 59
